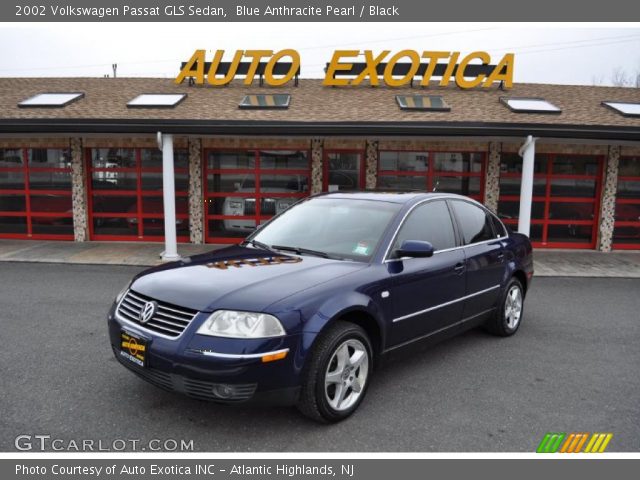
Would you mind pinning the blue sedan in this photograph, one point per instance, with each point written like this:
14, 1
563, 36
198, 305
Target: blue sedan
302, 311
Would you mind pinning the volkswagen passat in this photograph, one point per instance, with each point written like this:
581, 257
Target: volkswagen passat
303, 310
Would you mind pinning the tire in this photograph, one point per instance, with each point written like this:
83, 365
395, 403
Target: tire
340, 363
508, 316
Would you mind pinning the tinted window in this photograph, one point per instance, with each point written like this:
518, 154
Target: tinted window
474, 222
430, 222
498, 228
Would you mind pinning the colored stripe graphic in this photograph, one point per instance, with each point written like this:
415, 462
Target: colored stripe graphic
574, 443
598, 443
551, 442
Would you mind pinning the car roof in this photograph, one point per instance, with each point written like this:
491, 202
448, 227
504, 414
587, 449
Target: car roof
388, 196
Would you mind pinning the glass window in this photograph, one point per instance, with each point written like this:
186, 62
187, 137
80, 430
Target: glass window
51, 99
280, 100
12, 203
11, 157
458, 162
512, 163
530, 105
283, 160
58, 180
474, 222
628, 167
422, 102
49, 157
498, 227
404, 161
430, 222
152, 158
401, 182
344, 171
626, 212
345, 229
113, 158
284, 183
575, 165
150, 100
51, 203
232, 160
571, 211
628, 109
461, 185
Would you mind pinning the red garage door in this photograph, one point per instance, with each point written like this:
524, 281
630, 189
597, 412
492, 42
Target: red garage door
125, 194
35, 193
246, 187
566, 198
626, 233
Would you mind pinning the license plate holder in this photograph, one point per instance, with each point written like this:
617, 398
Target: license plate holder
133, 348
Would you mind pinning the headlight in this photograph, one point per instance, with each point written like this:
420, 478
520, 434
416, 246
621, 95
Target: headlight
122, 292
229, 323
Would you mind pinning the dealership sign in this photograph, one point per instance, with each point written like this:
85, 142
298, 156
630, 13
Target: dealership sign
347, 69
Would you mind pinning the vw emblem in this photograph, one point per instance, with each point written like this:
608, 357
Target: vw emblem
148, 311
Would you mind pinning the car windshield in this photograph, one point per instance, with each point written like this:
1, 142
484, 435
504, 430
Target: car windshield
339, 228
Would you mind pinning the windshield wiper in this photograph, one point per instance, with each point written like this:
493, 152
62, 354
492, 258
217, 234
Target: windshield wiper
258, 244
301, 250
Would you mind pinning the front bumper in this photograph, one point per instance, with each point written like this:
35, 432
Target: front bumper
215, 369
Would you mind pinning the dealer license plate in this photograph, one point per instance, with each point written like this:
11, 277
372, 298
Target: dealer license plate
133, 348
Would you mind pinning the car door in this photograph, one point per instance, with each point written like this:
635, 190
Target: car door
425, 292
484, 257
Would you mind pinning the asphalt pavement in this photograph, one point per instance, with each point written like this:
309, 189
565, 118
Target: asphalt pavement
572, 367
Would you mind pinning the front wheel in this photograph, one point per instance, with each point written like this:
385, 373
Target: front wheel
508, 315
337, 375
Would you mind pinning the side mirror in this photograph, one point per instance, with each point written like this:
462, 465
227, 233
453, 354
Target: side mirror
415, 249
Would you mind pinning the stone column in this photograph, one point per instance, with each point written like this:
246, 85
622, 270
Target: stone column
492, 177
79, 192
316, 165
608, 200
196, 207
371, 167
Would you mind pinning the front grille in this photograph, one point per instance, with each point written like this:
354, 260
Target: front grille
199, 389
169, 320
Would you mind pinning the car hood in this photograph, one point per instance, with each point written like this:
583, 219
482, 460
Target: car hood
238, 277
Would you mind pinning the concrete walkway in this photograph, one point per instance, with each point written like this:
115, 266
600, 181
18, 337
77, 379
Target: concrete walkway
548, 263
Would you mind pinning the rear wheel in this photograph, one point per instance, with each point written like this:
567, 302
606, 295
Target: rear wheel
337, 375
508, 315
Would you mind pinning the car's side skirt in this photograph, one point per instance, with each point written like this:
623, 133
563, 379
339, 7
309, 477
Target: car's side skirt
465, 323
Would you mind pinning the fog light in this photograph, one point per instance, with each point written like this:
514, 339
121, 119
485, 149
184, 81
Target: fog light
222, 390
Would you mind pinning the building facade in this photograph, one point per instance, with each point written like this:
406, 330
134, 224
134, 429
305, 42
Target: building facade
91, 169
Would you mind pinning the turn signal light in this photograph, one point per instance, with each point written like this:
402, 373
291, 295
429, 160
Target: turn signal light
274, 356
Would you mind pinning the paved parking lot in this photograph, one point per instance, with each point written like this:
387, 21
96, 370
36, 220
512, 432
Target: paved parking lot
573, 366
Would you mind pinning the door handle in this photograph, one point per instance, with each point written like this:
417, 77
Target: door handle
459, 268
500, 256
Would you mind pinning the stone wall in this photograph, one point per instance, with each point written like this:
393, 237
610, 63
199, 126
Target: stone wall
79, 192
371, 165
492, 177
608, 200
316, 165
196, 207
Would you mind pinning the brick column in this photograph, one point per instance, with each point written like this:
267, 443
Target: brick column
371, 167
79, 192
492, 177
608, 200
196, 207
316, 165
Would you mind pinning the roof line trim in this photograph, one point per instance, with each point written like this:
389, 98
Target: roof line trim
260, 128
